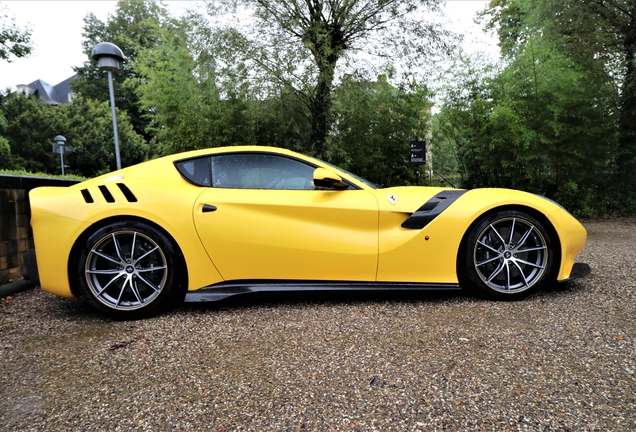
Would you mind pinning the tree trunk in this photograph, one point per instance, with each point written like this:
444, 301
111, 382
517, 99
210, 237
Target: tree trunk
627, 121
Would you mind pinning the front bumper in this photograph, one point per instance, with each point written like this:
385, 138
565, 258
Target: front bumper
579, 270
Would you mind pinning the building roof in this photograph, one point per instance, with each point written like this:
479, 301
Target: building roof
52, 94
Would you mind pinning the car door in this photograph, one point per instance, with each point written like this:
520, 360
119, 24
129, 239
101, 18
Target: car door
263, 219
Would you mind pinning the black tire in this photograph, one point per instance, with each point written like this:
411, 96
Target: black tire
130, 270
507, 256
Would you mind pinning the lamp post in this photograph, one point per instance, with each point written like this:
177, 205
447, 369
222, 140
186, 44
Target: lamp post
108, 57
61, 148
60, 141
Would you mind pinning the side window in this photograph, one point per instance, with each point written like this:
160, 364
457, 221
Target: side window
261, 171
197, 171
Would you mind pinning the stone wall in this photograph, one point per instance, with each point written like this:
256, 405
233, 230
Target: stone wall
15, 215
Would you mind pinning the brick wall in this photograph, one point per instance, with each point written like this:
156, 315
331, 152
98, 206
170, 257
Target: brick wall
15, 215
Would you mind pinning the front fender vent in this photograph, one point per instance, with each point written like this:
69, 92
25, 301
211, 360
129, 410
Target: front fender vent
432, 208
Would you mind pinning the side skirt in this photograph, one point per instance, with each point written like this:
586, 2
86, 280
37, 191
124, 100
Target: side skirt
224, 290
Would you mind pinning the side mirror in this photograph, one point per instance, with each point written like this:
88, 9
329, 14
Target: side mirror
325, 179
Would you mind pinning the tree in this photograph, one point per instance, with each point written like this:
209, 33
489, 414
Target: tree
14, 41
443, 145
136, 25
183, 99
607, 29
299, 45
30, 128
86, 125
545, 123
375, 122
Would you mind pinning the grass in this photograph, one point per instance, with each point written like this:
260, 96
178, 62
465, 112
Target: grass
39, 174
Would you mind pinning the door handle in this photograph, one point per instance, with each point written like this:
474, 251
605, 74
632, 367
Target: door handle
207, 208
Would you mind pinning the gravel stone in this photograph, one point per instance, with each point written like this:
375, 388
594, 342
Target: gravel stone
562, 360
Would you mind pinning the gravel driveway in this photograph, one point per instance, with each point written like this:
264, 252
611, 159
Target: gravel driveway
561, 360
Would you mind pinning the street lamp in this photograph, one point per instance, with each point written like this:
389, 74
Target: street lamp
61, 148
60, 141
108, 57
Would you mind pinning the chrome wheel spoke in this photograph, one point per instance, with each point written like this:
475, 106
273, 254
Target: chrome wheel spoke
532, 249
103, 255
498, 235
524, 237
118, 248
105, 287
531, 264
479, 264
488, 246
121, 292
132, 247
135, 290
507, 276
520, 270
512, 231
147, 282
495, 273
146, 254
103, 272
150, 269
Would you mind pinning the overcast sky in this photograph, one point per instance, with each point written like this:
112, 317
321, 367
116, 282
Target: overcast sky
57, 35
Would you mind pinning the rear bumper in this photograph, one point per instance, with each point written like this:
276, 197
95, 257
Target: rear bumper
31, 264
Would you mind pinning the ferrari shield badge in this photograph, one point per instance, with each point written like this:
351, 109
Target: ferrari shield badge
392, 198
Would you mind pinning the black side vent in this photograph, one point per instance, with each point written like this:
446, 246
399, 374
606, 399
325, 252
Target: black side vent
432, 208
87, 196
127, 193
107, 195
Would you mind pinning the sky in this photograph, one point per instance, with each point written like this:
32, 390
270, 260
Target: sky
57, 28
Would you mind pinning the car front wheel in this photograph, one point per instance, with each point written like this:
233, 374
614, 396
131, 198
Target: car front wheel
129, 270
508, 255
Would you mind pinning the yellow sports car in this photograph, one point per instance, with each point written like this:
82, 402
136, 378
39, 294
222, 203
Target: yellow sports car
209, 224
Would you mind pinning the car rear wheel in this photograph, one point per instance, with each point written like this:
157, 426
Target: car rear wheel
508, 255
130, 270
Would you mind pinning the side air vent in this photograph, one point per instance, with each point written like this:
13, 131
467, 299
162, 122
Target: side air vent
127, 192
107, 195
87, 196
432, 208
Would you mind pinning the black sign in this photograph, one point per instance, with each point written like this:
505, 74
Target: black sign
59, 149
418, 152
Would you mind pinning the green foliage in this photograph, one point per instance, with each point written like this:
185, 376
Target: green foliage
40, 174
444, 147
375, 122
186, 109
29, 130
86, 125
546, 122
14, 41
